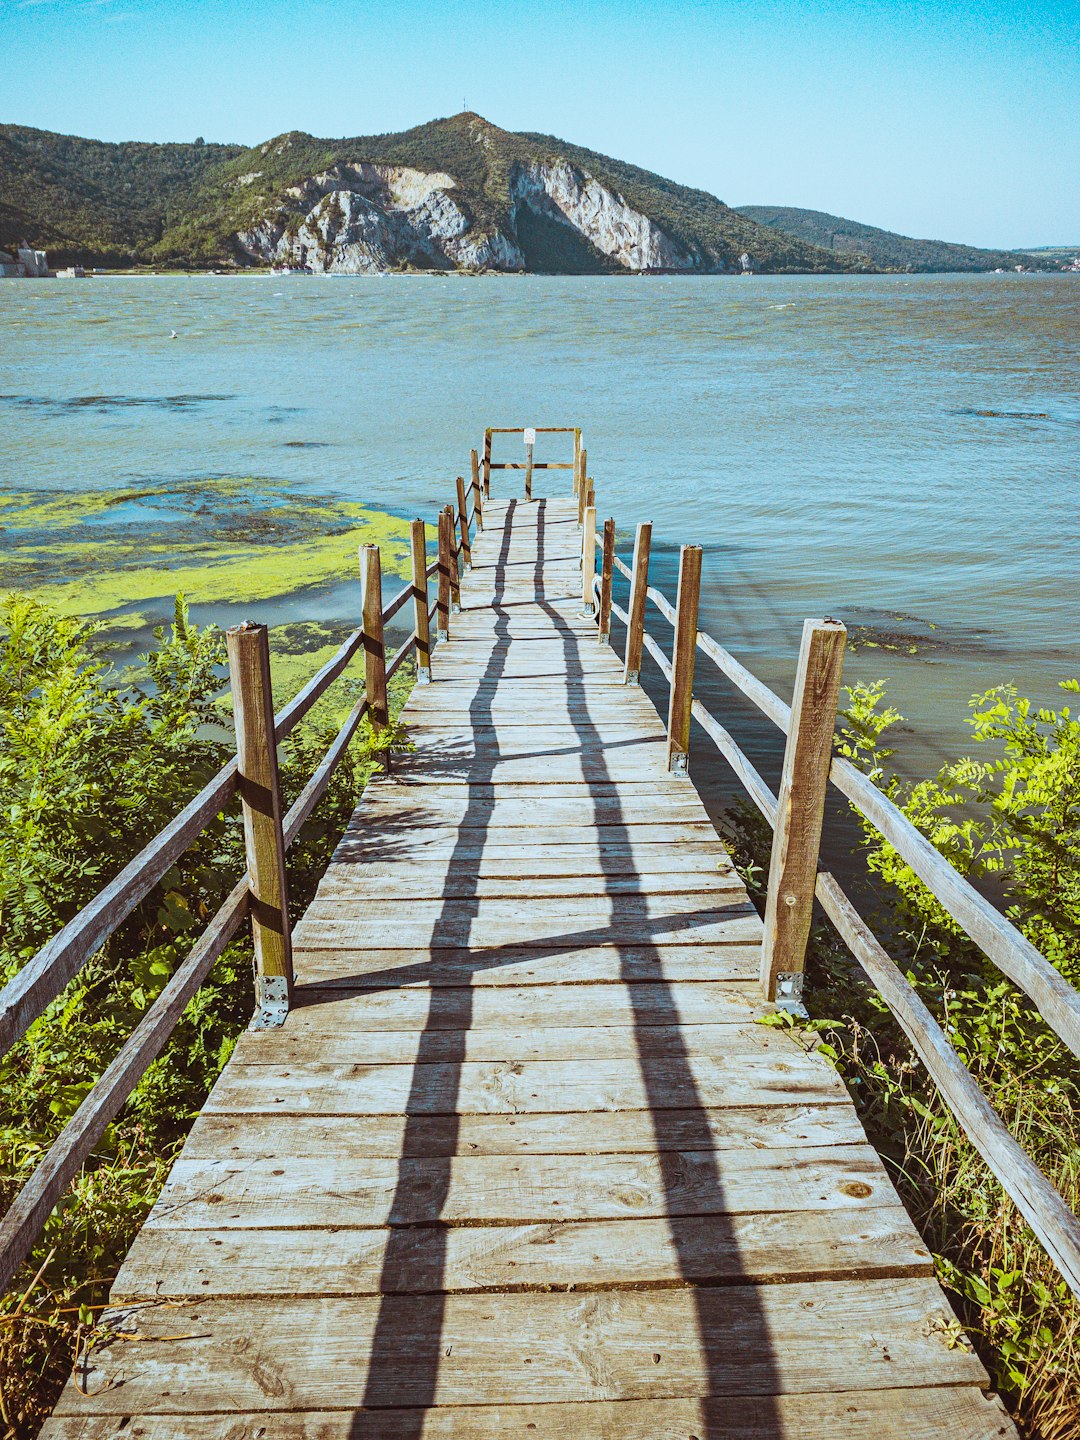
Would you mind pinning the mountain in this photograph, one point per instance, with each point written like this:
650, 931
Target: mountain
882, 248
76, 197
457, 193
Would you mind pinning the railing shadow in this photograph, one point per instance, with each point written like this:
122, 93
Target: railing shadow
409, 1338
399, 1269
672, 1093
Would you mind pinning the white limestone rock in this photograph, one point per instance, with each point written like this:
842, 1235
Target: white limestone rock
564, 193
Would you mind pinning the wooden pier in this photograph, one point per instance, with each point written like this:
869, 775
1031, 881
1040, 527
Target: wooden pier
520, 1162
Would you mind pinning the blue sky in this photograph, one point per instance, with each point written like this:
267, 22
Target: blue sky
952, 120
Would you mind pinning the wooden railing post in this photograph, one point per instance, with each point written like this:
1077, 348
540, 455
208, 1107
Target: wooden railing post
420, 602
374, 646
487, 463
528, 470
588, 559
264, 842
636, 608
797, 834
478, 504
607, 571
455, 583
463, 521
583, 498
682, 660
583, 461
577, 459
442, 612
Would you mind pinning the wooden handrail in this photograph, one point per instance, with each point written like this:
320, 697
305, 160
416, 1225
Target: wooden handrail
60, 959
43, 978
34, 1202
996, 936
1034, 1195
1037, 1199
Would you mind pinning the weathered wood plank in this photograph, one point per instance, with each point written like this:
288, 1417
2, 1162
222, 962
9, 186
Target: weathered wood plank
406, 1350
507, 878
317, 1012
959, 1412
762, 1127
338, 1045
299, 1192
576, 961
513, 1087
563, 1255
495, 923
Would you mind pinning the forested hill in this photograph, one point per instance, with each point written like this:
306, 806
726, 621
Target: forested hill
77, 197
457, 193
884, 249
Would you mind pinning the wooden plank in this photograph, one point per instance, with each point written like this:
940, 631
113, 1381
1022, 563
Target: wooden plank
506, 879
566, 964
627, 1132
567, 1255
548, 1042
316, 1013
499, 852
300, 1192
406, 1350
959, 1412
622, 920
512, 1087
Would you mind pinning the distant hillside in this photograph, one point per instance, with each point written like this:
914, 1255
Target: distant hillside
452, 194
882, 248
76, 198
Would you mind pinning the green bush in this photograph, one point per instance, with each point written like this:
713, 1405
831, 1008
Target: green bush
1009, 819
90, 768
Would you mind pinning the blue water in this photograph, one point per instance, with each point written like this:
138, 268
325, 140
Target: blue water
826, 439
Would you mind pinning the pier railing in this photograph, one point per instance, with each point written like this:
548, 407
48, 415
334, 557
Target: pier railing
261, 895
796, 815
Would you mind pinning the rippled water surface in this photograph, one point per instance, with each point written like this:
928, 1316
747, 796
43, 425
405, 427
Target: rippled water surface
899, 452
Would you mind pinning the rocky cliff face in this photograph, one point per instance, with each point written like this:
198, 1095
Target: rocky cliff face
363, 219
567, 195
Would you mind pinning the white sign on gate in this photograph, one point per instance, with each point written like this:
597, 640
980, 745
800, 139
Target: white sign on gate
530, 437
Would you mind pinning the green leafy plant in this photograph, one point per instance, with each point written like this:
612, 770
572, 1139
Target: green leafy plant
91, 766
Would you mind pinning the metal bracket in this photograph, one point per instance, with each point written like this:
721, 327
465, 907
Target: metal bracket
455, 609
588, 608
604, 639
680, 763
441, 637
633, 677
272, 1002
789, 988
423, 674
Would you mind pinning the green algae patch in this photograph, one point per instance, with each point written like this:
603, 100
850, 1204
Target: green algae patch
48, 510
227, 541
